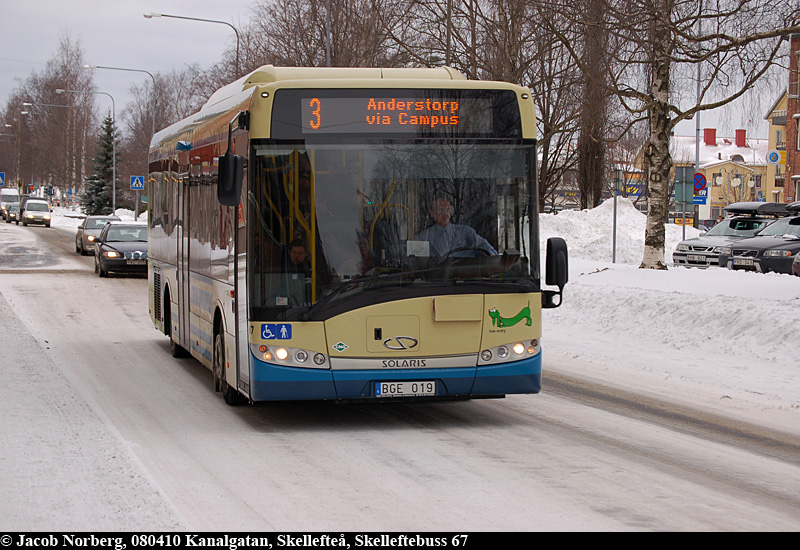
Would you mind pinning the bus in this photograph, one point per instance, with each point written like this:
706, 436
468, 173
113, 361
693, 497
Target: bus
353, 234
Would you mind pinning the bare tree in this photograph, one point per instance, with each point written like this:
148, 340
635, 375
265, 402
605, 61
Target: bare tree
652, 41
594, 106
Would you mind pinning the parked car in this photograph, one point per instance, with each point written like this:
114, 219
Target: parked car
773, 249
12, 213
88, 231
748, 219
796, 265
121, 247
36, 211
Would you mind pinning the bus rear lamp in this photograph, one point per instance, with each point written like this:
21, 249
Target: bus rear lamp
519, 349
502, 352
262, 348
281, 353
319, 359
486, 355
301, 356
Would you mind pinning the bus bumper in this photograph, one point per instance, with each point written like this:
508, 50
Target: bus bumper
271, 382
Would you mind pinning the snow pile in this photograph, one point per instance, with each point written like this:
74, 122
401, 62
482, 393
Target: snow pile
590, 232
730, 331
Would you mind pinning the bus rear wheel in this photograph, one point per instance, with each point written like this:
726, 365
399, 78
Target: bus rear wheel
229, 393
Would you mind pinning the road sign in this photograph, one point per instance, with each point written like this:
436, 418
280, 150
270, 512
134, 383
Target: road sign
137, 183
2, 178
700, 189
773, 157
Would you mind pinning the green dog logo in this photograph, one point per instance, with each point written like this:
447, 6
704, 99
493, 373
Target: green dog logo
500, 321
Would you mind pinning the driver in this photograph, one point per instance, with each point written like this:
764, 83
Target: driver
446, 237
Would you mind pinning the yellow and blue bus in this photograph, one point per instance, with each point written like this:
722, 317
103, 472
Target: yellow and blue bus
353, 234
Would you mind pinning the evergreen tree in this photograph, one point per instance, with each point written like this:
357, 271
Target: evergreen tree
97, 197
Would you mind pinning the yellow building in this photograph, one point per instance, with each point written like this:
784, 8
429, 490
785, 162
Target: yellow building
735, 168
776, 173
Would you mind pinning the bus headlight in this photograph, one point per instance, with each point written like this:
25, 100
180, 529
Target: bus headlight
286, 356
502, 354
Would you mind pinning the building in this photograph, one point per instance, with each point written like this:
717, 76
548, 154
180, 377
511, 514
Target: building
775, 181
735, 168
792, 174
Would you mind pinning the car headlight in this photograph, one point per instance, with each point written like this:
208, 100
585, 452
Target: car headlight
778, 253
726, 250
683, 247
90, 238
47, 217
29, 216
112, 254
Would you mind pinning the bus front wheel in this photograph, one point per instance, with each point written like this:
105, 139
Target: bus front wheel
231, 396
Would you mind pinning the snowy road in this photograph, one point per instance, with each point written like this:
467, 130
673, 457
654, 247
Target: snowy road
104, 430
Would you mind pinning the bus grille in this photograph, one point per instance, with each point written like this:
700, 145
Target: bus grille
157, 294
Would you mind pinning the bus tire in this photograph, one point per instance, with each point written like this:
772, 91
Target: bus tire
175, 349
229, 393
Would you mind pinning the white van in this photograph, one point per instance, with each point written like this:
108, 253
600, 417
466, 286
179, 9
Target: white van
7, 198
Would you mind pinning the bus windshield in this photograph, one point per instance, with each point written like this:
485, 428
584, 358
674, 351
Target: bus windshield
330, 221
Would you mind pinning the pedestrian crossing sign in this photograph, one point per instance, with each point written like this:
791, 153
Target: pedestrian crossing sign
137, 183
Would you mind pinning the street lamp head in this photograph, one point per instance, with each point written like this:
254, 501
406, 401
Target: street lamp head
90, 66
27, 104
60, 90
149, 15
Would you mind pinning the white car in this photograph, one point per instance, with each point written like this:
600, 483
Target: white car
36, 211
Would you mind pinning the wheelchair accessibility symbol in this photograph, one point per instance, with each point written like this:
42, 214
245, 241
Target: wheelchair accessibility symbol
281, 331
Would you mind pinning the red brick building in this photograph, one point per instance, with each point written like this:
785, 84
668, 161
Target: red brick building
792, 121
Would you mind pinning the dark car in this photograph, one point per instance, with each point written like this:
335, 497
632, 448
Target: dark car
121, 247
773, 249
796, 265
748, 219
12, 213
88, 231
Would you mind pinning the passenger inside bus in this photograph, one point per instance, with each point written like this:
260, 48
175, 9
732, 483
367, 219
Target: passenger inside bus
452, 239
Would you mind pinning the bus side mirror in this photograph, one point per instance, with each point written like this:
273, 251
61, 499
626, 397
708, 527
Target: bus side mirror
229, 184
556, 271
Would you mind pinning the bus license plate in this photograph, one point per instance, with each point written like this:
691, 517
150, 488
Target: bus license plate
405, 389
742, 261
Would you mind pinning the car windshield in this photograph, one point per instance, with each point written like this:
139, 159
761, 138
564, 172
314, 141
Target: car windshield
37, 207
784, 226
126, 234
97, 223
737, 227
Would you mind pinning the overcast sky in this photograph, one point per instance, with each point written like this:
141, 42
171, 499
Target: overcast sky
114, 33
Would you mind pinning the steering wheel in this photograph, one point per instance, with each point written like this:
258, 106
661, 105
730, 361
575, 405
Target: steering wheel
462, 248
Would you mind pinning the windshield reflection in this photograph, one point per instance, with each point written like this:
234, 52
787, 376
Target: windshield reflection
327, 222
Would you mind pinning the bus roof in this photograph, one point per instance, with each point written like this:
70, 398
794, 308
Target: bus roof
269, 74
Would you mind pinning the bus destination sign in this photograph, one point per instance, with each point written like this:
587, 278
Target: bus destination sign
391, 115
403, 113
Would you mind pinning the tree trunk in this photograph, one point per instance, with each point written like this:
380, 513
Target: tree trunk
658, 159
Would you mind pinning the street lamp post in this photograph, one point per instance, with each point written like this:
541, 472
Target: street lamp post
113, 141
153, 130
150, 15
153, 101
